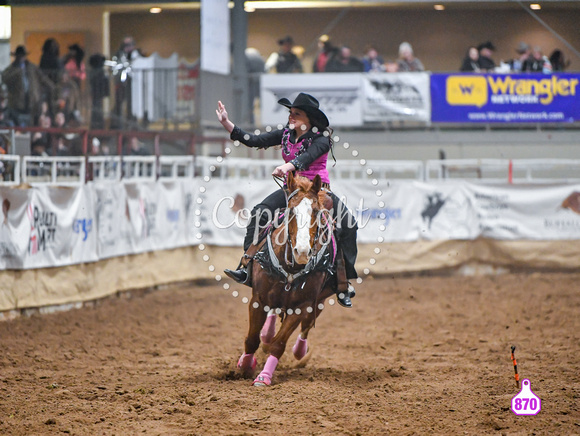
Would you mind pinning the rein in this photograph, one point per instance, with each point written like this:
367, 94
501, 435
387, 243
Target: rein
308, 268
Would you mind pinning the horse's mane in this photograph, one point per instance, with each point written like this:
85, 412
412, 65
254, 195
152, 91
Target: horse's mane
304, 184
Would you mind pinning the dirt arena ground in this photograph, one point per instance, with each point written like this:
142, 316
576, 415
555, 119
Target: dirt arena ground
415, 356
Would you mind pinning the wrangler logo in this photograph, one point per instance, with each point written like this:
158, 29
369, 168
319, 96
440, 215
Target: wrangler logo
466, 91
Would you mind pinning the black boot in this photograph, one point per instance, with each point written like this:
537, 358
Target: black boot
343, 298
239, 275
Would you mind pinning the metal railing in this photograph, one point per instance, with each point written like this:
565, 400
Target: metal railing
62, 171
73, 170
9, 170
504, 170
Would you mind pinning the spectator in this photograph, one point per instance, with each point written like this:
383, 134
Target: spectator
284, 61
372, 62
407, 60
127, 52
523, 51
325, 52
58, 145
24, 82
344, 62
471, 61
99, 84
136, 147
43, 139
558, 61
67, 97
74, 65
50, 62
38, 147
537, 62
486, 50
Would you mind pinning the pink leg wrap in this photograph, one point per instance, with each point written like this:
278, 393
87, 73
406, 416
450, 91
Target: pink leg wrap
265, 377
300, 348
247, 362
269, 329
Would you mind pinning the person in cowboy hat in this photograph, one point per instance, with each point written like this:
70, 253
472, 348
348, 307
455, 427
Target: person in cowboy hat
24, 82
306, 141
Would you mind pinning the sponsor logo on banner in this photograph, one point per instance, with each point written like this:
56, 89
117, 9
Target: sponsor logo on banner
83, 226
572, 202
148, 211
400, 92
385, 214
571, 224
173, 217
466, 91
473, 90
42, 229
505, 97
7, 246
332, 100
433, 204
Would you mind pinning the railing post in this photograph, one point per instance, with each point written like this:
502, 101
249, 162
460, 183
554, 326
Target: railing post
88, 170
157, 150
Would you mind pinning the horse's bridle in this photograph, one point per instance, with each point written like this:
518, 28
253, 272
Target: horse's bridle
312, 262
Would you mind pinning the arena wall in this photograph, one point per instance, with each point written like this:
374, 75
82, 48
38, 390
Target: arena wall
45, 287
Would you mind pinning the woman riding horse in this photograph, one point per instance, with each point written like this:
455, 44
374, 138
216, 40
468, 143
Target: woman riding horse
306, 141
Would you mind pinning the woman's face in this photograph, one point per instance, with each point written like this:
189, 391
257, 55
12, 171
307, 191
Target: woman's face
473, 53
298, 120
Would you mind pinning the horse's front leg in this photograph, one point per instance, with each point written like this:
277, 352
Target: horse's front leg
277, 349
300, 348
247, 362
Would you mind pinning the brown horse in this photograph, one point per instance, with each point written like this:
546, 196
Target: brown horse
292, 275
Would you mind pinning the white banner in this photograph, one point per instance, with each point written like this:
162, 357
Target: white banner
351, 99
526, 212
396, 97
112, 219
47, 227
215, 36
339, 94
14, 227
226, 207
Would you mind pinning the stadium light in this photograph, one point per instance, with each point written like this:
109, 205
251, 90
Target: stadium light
155, 10
535, 6
439, 7
5, 22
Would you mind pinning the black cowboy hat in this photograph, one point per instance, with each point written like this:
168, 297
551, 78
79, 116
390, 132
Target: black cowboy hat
488, 44
286, 39
310, 105
20, 51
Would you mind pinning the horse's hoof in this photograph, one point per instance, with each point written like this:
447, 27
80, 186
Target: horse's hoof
262, 381
300, 355
247, 363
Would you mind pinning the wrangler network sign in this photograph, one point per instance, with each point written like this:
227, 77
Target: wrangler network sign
505, 98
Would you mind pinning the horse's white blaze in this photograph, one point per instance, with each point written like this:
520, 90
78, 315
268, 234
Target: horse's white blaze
303, 219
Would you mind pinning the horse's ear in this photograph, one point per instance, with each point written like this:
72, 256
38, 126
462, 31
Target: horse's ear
290, 182
316, 184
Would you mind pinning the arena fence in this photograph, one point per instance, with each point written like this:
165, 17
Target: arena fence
76, 170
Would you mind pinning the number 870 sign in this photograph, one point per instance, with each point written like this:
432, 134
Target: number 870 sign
526, 402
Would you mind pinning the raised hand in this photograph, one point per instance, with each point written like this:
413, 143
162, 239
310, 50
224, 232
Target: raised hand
222, 115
